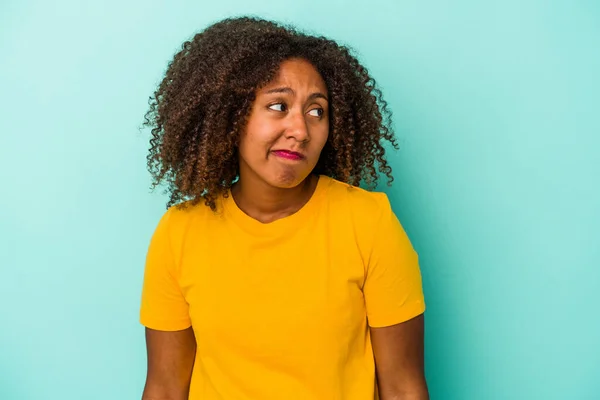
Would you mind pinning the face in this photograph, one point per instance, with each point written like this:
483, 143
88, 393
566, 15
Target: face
287, 127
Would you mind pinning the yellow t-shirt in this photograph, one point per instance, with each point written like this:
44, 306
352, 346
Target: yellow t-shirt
282, 310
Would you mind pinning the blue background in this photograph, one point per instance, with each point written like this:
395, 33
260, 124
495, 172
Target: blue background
497, 109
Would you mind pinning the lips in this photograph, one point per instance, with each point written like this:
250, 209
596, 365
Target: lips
289, 155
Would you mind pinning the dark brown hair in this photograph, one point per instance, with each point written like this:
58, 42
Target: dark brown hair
202, 103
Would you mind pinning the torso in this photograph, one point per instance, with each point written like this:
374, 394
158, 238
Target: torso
277, 309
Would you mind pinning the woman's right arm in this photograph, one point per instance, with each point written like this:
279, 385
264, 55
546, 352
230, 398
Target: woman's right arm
170, 363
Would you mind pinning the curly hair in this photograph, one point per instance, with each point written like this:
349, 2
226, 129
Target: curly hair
205, 97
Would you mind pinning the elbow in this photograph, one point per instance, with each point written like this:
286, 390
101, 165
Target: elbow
153, 392
166, 397
420, 395
414, 392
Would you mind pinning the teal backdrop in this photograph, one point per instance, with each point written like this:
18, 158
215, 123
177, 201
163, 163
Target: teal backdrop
497, 110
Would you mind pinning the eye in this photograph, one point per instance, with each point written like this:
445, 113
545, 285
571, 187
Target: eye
316, 112
278, 107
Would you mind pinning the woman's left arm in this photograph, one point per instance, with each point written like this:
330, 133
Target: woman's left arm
399, 360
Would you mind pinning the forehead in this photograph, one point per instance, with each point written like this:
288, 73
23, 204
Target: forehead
297, 73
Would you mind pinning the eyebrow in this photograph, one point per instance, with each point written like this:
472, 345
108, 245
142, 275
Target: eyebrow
291, 91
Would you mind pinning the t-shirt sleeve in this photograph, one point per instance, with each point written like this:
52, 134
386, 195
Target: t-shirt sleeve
163, 304
393, 288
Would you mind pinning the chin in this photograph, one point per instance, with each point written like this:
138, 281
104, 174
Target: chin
287, 179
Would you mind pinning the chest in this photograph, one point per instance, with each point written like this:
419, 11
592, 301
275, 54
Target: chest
265, 292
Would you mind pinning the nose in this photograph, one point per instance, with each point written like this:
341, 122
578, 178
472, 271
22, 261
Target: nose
297, 128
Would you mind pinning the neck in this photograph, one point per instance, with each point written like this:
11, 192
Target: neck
267, 203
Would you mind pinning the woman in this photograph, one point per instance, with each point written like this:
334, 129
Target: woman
274, 276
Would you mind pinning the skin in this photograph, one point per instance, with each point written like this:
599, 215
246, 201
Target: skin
170, 363
399, 360
289, 113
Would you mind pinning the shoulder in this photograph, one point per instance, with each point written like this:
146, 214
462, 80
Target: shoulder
178, 219
180, 223
183, 212
360, 213
363, 204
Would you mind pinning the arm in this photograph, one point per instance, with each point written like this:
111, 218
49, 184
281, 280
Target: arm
170, 363
399, 360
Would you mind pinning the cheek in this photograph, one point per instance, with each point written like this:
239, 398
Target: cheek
260, 132
254, 145
321, 138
